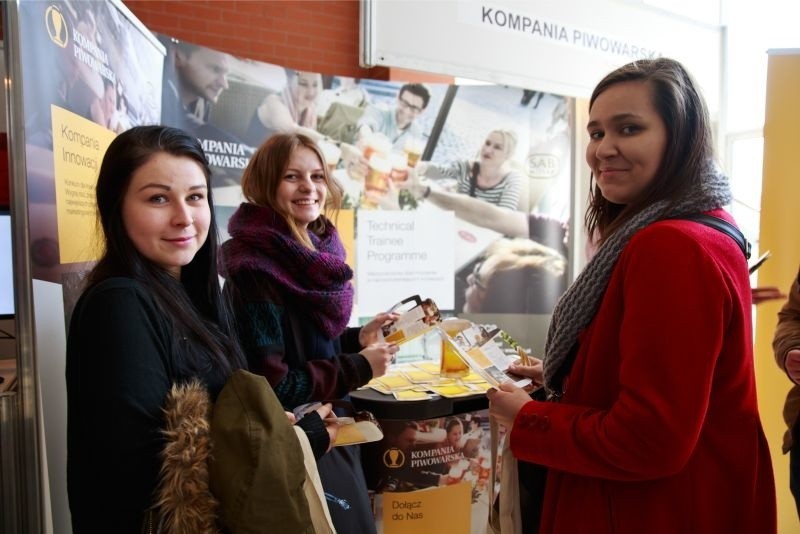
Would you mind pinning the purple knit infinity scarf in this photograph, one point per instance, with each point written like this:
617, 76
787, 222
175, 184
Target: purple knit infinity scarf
317, 280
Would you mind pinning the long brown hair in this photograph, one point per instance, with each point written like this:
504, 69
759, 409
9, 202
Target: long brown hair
689, 152
266, 170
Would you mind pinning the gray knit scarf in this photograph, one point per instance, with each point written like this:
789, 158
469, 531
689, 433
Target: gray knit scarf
579, 304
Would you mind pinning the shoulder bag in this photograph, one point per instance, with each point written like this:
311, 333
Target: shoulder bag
259, 470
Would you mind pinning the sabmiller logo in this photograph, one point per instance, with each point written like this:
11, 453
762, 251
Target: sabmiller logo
56, 26
542, 165
394, 458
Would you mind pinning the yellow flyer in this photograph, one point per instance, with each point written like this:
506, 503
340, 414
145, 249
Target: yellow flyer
432, 511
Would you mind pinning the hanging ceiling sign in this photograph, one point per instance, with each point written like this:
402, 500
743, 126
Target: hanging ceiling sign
554, 46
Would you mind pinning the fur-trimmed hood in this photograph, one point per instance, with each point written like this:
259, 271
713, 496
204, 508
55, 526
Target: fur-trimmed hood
183, 501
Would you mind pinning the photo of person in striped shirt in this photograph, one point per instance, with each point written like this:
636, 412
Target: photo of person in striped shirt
491, 177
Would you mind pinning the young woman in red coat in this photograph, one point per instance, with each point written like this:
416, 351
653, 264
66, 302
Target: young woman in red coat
649, 357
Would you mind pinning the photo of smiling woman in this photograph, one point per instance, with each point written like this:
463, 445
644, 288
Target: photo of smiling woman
152, 316
650, 351
290, 286
292, 110
491, 177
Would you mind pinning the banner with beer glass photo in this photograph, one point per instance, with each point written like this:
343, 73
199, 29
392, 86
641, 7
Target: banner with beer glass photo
447, 457
441, 181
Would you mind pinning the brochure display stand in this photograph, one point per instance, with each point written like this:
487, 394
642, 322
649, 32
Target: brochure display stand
430, 473
433, 466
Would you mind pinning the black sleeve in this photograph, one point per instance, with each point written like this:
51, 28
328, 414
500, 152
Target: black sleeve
349, 340
117, 379
317, 434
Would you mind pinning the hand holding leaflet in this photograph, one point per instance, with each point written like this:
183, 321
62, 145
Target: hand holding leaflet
357, 427
413, 322
478, 350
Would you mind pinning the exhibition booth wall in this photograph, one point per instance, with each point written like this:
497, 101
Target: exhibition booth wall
86, 71
61, 70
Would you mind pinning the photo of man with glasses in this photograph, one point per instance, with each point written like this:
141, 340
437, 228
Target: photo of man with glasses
385, 129
397, 124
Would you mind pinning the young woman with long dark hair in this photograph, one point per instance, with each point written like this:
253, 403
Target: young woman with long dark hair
152, 316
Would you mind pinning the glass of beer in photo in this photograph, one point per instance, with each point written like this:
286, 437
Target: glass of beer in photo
452, 366
377, 183
377, 143
413, 148
399, 171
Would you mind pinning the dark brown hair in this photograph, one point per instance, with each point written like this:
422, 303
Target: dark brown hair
416, 89
689, 150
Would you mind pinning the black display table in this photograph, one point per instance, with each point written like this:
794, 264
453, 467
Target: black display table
430, 473
385, 407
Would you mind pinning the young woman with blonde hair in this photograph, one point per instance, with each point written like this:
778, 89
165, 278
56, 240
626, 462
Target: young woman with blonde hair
285, 270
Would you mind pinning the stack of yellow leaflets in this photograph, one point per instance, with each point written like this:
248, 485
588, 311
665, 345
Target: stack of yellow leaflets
417, 381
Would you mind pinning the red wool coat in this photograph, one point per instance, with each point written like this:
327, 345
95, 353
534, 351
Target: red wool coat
658, 430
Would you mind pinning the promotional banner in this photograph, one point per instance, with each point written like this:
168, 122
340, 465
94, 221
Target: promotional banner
445, 185
89, 70
430, 473
443, 180
561, 47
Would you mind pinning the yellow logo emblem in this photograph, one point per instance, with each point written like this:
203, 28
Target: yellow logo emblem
394, 458
56, 26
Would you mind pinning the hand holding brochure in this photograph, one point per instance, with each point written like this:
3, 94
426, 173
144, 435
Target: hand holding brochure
359, 427
476, 347
355, 432
413, 322
473, 345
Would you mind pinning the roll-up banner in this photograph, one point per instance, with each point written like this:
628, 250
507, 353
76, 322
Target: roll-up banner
498, 154
497, 160
88, 70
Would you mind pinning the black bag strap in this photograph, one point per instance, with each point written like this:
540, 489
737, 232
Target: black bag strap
473, 178
723, 226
